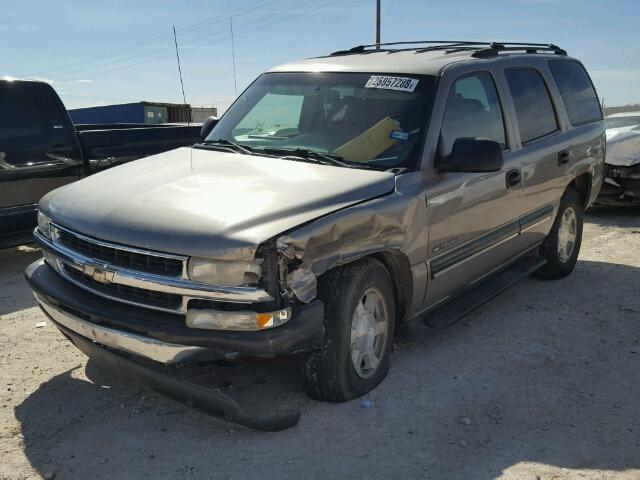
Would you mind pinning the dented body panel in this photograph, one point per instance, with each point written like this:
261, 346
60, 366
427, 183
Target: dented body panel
394, 222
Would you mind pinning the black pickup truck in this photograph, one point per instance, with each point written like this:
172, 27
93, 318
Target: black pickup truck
41, 149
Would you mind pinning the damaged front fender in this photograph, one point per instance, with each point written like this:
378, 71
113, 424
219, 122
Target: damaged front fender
393, 222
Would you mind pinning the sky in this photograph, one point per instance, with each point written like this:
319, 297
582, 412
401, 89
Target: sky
120, 51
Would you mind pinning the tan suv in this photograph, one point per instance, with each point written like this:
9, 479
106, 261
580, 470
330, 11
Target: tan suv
338, 199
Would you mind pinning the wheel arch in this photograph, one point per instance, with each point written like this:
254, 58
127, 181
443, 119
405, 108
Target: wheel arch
582, 184
397, 265
399, 268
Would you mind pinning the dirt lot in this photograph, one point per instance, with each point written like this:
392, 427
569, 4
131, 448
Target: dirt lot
540, 383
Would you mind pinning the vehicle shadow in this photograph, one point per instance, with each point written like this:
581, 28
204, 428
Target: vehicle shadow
15, 294
627, 217
545, 373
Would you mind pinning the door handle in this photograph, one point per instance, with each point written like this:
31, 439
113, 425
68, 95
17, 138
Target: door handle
513, 178
563, 157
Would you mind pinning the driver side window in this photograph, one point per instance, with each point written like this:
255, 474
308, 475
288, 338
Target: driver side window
473, 110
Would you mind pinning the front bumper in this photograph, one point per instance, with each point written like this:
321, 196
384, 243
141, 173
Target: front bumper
621, 186
162, 336
209, 401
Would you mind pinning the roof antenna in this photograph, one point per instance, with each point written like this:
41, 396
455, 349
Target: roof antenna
175, 40
233, 56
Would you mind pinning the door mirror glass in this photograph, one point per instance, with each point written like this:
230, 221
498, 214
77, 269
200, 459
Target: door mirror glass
207, 126
472, 155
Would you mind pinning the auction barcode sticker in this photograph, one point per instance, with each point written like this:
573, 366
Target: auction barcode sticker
403, 84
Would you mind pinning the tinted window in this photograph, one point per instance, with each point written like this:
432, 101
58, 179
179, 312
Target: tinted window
577, 92
473, 110
19, 113
534, 110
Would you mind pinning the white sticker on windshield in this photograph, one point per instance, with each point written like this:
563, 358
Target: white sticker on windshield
403, 84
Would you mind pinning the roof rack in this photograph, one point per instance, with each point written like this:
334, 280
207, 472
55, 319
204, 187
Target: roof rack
481, 49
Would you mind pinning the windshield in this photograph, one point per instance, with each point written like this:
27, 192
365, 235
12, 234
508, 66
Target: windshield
371, 120
619, 122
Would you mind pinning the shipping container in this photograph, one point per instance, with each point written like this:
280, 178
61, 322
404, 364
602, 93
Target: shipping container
200, 114
123, 113
151, 113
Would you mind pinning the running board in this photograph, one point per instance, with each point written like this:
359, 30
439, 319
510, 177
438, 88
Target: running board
478, 293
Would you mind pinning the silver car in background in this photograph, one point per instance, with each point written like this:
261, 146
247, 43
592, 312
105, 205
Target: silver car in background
622, 163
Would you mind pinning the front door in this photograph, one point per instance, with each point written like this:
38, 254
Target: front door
472, 216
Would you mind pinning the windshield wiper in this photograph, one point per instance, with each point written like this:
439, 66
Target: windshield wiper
229, 144
314, 156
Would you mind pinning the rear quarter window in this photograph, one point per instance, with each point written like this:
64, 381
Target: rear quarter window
577, 91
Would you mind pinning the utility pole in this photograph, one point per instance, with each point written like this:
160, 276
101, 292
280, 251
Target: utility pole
377, 24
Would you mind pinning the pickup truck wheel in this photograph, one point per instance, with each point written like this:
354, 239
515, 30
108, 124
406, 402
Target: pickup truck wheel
360, 319
562, 245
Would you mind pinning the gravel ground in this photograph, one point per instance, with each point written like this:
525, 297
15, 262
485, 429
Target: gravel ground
540, 383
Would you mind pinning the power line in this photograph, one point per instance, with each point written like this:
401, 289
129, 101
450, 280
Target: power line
74, 66
155, 57
186, 49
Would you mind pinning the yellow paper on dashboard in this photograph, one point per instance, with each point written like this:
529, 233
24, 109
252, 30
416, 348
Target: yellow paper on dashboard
370, 143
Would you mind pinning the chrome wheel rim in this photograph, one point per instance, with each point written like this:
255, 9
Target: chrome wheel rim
369, 332
567, 234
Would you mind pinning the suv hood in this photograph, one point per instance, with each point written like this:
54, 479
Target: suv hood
208, 203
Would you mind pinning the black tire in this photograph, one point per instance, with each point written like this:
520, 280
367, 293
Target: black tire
557, 267
329, 374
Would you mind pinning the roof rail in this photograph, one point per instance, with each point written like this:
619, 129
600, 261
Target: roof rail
481, 49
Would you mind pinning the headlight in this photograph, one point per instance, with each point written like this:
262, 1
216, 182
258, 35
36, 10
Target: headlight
225, 272
44, 224
209, 319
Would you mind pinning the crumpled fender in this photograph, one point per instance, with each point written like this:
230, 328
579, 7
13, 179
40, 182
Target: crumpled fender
390, 222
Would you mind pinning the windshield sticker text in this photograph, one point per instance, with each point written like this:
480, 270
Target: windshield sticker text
399, 135
392, 83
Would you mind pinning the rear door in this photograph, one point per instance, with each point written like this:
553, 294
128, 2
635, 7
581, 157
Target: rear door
539, 147
37, 152
472, 216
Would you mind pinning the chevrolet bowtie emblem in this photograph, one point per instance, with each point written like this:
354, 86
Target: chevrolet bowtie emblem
99, 273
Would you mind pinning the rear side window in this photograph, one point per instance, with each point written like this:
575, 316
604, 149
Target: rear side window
534, 109
577, 91
473, 110
19, 113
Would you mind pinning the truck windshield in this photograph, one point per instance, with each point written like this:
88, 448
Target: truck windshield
367, 119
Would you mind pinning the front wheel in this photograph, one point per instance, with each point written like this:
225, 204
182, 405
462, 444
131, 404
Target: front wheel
562, 245
360, 319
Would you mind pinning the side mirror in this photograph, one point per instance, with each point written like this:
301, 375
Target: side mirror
472, 155
207, 126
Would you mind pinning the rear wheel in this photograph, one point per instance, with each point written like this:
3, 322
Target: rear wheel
359, 313
562, 245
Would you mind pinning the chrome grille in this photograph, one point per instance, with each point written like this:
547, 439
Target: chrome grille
145, 278
140, 296
126, 258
